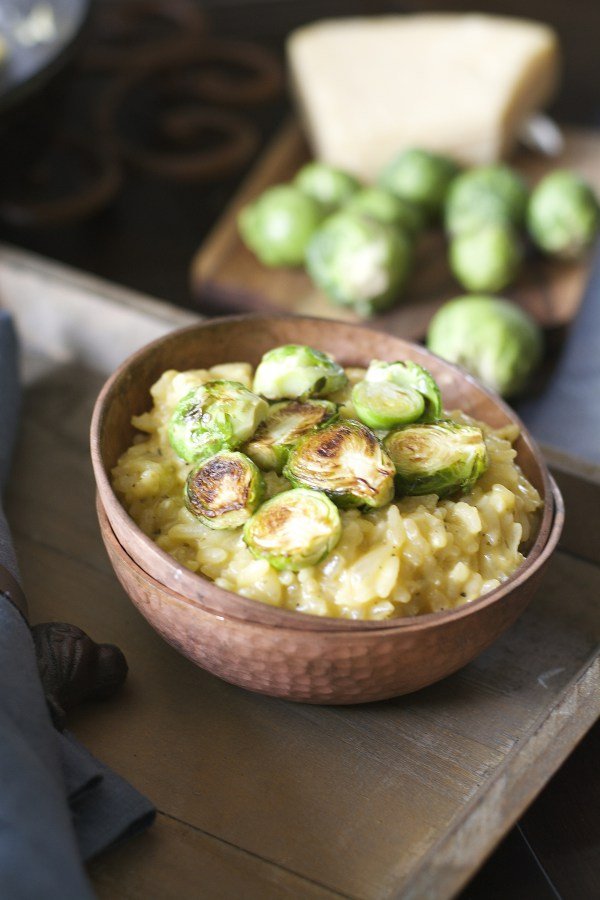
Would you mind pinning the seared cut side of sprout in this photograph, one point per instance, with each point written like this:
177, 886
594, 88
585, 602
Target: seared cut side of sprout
285, 424
383, 404
224, 490
293, 530
409, 374
296, 372
345, 461
439, 458
217, 415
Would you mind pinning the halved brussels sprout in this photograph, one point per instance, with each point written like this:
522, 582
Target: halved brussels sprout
224, 490
382, 404
409, 374
439, 458
217, 415
296, 372
285, 424
293, 530
345, 461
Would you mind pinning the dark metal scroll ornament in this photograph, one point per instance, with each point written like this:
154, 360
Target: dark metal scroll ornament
42, 199
74, 668
167, 99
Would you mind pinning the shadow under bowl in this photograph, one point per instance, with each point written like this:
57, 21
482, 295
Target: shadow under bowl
275, 651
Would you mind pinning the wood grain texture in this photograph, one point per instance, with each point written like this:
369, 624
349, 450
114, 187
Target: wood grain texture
225, 276
263, 798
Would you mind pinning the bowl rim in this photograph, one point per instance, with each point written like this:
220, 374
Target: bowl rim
229, 604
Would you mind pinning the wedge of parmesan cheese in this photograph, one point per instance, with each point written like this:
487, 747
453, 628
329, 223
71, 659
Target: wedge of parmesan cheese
457, 84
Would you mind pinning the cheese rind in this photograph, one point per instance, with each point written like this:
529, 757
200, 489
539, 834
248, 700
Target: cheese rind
456, 84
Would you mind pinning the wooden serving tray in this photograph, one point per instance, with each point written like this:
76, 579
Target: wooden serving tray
259, 798
225, 276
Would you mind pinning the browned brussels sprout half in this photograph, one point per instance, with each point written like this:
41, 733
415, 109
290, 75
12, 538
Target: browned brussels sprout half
384, 405
285, 424
295, 371
218, 415
293, 530
224, 490
345, 461
439, 458
410, 375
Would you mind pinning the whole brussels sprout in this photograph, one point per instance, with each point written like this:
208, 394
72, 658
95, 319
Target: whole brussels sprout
483, 195
421, 177
493, 338
377, 203
279, 224
563, 217
217, 415
330, 186
487, 259
359, 262
295, 371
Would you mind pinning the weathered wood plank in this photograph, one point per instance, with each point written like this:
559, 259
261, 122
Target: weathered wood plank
175, 862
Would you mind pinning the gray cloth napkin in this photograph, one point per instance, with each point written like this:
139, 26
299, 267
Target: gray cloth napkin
567, 415
58, 805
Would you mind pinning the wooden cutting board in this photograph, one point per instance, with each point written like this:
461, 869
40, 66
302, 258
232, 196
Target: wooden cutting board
226, 277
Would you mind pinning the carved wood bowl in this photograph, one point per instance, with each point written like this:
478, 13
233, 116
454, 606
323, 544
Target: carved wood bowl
276, 651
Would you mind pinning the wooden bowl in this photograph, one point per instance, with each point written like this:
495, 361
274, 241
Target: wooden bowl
276, 651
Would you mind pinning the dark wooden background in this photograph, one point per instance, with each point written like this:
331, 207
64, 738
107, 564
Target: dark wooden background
145, 234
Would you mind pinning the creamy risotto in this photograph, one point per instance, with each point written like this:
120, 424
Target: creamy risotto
416, 555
